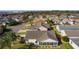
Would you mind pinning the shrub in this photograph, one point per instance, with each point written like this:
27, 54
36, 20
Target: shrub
65, 38
13, 22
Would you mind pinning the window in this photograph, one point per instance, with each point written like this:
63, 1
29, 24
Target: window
54, 44
51, 43
40, 43
44, 43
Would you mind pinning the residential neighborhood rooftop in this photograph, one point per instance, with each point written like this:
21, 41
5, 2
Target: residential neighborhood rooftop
40, 35
68, 27
75, 40
72, 33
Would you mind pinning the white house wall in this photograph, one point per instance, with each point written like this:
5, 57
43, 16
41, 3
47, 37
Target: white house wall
49, 40
63, 33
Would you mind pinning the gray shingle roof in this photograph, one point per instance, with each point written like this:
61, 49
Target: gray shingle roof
68, 27
75, 40
46, 25
40, 35
72, 33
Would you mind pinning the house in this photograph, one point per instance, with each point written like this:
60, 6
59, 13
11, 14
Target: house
75, 20
41, 38
67, 27
74, 38
72, 32
38, 21
72, 19
55, 19
46, 26
67, 21
42, 28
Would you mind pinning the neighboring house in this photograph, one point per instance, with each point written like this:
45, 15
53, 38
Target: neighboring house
74, 37
67, 21
72, 32
41, 38
38, 21
42, 28
67, 27
72, 20
55, 19
75, 20
46, 26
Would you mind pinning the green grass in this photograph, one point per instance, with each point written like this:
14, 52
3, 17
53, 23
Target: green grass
17, 44
22, 33
64, 45
67, 46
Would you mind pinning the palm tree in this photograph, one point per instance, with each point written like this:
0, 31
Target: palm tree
30, 19
49, 21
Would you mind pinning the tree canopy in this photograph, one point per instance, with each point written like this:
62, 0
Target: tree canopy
7, 39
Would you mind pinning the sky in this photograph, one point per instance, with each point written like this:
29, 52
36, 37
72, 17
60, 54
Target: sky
39, 5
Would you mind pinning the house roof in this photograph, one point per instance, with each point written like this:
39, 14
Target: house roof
68, 27
75, 40
42, 28
72, 33
46, 25
40, 35
36, 27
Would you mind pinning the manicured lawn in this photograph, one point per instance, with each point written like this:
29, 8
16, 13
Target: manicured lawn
65, 46
17, 45
22, 33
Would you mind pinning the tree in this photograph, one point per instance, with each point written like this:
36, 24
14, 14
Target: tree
58, 16
25, 18
31, 19
13, 22
50, 22
65, 38
7, 39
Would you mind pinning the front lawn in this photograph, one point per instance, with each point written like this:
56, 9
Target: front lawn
65, 46
17, 44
